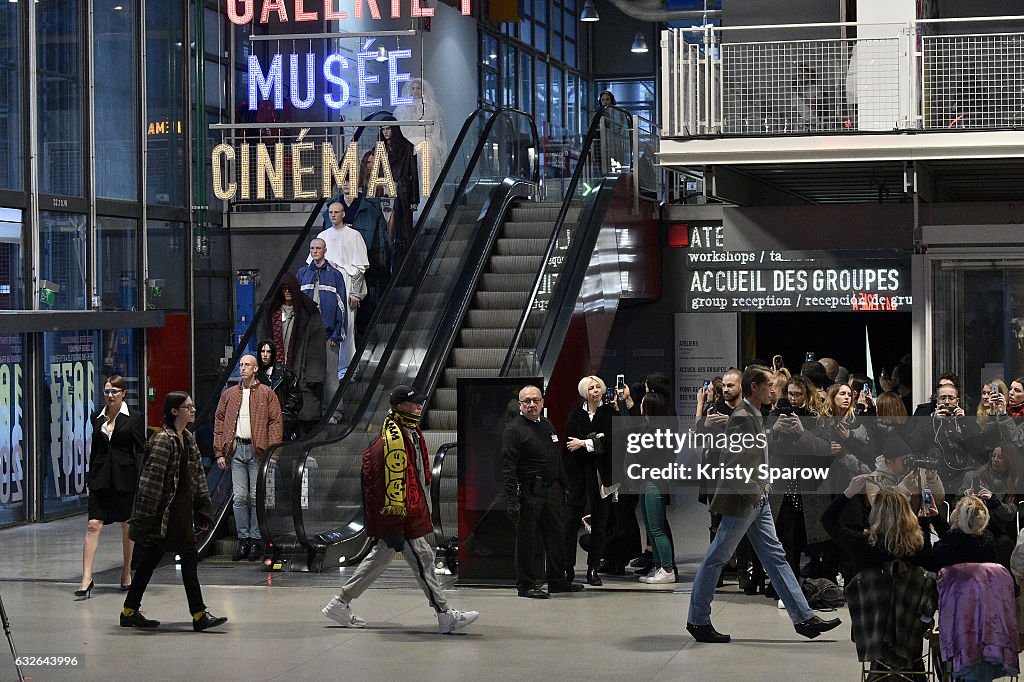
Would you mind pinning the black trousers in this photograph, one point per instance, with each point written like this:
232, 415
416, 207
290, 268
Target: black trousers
151, 556
540, 515
599, 509
624, 543
789, 526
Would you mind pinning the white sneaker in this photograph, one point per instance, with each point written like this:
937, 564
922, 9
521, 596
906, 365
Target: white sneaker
660, 577
453, 619
341, 612
650, 574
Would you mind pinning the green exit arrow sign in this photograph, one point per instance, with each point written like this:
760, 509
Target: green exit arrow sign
587, 189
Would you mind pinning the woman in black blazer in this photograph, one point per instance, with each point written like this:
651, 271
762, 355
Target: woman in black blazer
115, 460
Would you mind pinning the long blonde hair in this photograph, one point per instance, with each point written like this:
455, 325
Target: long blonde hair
829, 412
983, 407
893, 525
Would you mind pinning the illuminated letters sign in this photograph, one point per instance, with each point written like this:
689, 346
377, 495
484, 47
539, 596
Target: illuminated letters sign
720, 280
12, 436
242, 12
71, 375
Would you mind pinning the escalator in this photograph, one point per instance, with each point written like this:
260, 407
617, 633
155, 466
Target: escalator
308, 495
493, 295
219, 482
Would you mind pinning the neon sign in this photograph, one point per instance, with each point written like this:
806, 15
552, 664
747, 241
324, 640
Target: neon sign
300, 13
269, 84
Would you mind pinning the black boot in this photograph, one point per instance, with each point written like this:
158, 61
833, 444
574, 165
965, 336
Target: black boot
242, 551
255, 549
593, 578
707, 634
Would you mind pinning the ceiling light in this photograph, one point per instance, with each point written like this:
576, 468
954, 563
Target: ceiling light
589, 12
639, 44
382, 54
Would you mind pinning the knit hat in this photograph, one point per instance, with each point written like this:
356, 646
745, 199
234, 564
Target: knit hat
894, 448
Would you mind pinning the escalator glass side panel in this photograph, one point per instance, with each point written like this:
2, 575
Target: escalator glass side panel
410, 322
606, 154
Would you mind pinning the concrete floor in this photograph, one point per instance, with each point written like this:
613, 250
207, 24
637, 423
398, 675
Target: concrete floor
623, 631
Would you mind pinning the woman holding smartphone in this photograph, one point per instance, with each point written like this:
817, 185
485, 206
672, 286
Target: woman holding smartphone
993, 400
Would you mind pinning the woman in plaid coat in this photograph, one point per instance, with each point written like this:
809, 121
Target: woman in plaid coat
171, 499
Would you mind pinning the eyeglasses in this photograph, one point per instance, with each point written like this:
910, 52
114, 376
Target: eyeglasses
112, 391
190, 408
947, 398
532, 401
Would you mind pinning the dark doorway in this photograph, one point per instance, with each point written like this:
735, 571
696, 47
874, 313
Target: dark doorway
835, 335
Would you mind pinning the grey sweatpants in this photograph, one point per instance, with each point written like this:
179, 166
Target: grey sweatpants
418, 553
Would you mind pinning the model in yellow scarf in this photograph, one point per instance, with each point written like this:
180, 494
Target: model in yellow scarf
396, 460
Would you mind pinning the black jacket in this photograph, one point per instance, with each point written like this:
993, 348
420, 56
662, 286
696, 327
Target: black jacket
286, 387
530, 450
579, 425
115, 464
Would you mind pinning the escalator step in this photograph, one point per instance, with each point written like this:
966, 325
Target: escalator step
451, 375
478, 358
521, 247
501, 300
527, 230
513, 265
505, 282
444, 399
444, 420
437, 437
498, 319
486, 338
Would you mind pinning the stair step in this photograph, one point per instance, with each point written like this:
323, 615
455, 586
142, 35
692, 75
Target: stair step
444, 399
515, 265
478, 358
497, 319
492, 281
526, 230
521, 247
501, 300
452, 375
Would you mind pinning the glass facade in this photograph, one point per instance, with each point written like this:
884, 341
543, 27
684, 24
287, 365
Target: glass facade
61, 86
117, 267
167, 288
12, 116
13, 398
12, 281
165, 82
62, 260
71, 389
116, 101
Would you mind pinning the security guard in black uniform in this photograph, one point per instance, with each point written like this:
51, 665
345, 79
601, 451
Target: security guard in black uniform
536, 485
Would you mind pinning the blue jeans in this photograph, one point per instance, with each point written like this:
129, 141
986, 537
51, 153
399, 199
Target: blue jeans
758, 526
244, 469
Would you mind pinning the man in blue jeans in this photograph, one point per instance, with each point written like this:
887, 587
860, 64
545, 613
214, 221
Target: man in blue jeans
743, 505
248, 421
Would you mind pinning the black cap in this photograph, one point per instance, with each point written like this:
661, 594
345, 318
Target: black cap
403, 393
894, 448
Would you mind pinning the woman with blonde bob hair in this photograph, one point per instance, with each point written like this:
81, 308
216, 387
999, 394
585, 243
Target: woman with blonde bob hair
893, 526
968, 541
588, 464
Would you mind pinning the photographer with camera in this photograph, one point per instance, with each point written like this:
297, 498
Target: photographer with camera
896, 469
955, 439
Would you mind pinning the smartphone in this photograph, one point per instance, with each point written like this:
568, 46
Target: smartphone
609, 395
994, 390
620, 382
867, 388
777, 362
706, 385
809, 356
927, 499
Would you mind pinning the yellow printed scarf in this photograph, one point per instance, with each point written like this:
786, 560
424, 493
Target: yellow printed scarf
396, 461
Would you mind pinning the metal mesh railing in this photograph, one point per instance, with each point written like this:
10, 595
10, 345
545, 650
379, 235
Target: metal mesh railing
973, 81
891, 77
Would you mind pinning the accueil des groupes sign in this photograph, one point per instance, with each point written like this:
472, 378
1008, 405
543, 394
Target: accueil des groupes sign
752, 280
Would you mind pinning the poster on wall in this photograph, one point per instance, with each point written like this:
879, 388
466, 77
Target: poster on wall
706, 346
12, 435
70, 375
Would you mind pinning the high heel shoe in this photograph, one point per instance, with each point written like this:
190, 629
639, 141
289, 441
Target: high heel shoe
87, 592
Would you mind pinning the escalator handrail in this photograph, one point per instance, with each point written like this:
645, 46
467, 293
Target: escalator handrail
435, 487
592, 133
492, 219
310, 438
301, 535
300, 531
446, 169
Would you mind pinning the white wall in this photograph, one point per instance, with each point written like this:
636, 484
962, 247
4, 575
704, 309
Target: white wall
450, 65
